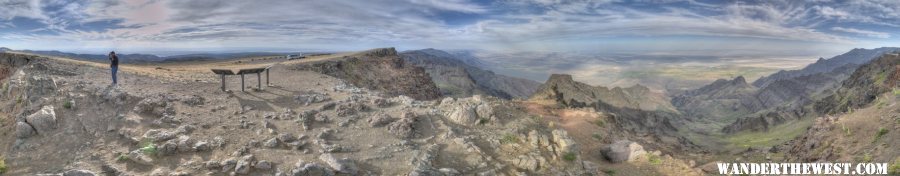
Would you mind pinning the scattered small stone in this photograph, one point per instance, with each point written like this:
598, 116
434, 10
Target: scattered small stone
286, 137
380, 119
243, 165
168, 148
263, 164
185, 144
271, 143
381, 102
212, 165
342, 165
158, 135
201, 146
79, 173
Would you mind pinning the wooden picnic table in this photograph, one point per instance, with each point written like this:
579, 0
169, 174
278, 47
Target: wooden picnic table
242, 72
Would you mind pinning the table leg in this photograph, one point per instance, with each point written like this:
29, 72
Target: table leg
223, 82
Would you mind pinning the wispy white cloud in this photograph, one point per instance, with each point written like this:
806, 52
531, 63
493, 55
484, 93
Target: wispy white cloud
863, 32
502, 25
21, 8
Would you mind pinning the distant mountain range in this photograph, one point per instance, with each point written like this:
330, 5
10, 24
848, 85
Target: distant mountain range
856, 56
774, 99
145, 58
463, 75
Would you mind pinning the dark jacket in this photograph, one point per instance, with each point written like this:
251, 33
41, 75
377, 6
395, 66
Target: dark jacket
114, 61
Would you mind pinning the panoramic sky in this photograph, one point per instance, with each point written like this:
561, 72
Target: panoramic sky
644, 26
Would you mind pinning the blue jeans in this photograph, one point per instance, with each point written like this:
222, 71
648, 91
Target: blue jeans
114, 70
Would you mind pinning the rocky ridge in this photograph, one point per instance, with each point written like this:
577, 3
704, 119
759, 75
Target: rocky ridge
381, 70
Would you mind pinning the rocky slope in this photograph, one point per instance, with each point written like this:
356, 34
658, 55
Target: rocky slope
812, 95
856, 57
863, 86
59, 116
722, 99
636, 109
456, 77
778, 98
859, 123
790, 99
382, 70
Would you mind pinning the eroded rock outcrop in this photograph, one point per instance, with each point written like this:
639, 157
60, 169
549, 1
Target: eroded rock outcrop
380, 70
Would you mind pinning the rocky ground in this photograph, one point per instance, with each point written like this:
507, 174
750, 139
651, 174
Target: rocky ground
372, 113
63, 116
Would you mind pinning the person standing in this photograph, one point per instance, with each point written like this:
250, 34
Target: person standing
113, 65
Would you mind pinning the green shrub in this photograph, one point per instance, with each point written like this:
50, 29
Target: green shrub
600, 122
881, 132
122, 157
149, 149
866, 158
597, 136
846, 130
879, 80
570, 156
2, 165
609, 172
67, 105
894, 169
653, 159
509, 138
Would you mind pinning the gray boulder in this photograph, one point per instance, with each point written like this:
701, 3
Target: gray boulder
264, 165
623, 151
463, 114
24, 130
156, 105
403, 128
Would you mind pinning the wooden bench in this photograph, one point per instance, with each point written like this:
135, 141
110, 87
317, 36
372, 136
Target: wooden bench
242, 72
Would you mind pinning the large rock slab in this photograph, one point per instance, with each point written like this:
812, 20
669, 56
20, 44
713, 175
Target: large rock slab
464, 115
44, 120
